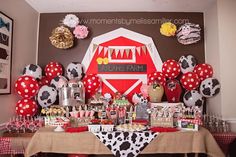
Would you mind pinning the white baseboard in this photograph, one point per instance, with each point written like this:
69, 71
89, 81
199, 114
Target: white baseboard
230, 120
2, 126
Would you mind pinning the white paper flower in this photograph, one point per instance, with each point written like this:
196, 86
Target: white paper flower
71, 20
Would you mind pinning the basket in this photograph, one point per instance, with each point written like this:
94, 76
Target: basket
94, 128
107, 128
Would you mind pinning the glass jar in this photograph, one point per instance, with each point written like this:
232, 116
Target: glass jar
72, 95
155, 92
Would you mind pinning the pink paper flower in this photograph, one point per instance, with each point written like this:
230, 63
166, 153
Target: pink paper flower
81, 31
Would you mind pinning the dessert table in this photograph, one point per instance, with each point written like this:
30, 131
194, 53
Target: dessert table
14, 143
224, 139
47, 141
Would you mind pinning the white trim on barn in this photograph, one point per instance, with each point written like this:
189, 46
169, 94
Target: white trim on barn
140, 78
147, 41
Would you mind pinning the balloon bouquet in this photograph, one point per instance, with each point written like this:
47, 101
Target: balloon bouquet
35, 88
196, 79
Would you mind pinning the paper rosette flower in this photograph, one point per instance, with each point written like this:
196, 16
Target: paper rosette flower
189, 33
71, 20
168, 29
81, 31
62, 38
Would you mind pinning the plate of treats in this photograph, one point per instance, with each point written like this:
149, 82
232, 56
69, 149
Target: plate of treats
131, 127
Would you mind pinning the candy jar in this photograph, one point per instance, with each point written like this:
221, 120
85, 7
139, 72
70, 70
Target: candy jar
173, 91
155, 92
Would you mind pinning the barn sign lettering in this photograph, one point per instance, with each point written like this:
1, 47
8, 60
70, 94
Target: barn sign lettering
122, 68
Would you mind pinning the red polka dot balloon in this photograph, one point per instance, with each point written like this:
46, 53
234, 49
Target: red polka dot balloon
158, 77
171, 69
190, 81
26, 107
44, 81
26, 86
203, 71
91, 83
53, 69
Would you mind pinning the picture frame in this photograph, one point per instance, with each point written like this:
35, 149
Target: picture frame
6, 35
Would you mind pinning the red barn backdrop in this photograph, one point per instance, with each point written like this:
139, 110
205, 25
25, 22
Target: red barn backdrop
123, 59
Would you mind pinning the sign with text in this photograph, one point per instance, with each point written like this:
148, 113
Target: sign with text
122, 68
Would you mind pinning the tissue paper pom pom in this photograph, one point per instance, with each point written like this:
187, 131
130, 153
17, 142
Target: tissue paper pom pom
168, 29
71, 20
81, 31
188, 33
62, 38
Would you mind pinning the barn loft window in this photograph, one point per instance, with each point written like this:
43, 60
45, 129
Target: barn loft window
121, 54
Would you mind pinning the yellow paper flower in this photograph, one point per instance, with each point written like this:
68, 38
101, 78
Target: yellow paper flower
43, 111
105, 60
99, 60
168, 29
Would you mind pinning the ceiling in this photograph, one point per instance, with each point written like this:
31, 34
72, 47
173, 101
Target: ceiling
52, 6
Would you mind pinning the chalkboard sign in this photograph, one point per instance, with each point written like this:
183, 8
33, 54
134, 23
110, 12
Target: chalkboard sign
122, 68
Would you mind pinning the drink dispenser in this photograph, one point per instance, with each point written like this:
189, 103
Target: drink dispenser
72, 95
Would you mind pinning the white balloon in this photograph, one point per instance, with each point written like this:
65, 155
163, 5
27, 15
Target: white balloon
210, 87
193, 98
59, 82
75, 71
46, 96
187, 63
33, 70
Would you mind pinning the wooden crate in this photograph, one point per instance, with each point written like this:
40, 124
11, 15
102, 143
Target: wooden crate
162, 122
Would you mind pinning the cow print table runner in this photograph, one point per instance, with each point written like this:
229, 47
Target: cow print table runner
126, 144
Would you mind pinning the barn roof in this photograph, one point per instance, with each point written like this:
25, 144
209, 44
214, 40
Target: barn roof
122, 32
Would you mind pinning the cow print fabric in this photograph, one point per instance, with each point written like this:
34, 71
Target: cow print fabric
126, 144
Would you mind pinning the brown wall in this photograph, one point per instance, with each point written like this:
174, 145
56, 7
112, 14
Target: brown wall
167, 47
24, 48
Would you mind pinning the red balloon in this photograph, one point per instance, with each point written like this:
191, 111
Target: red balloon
44, 81
190, 80
171, 69
157, 77
26, 107
53, 69
26, 86
203, 71
91, 83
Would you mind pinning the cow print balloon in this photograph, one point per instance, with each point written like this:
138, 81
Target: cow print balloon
58, 82
193, 98
187, 63
46, 96
75, 70
210, 87
33, 70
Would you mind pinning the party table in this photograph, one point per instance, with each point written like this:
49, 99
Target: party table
14, 143
47, 141
224, 139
